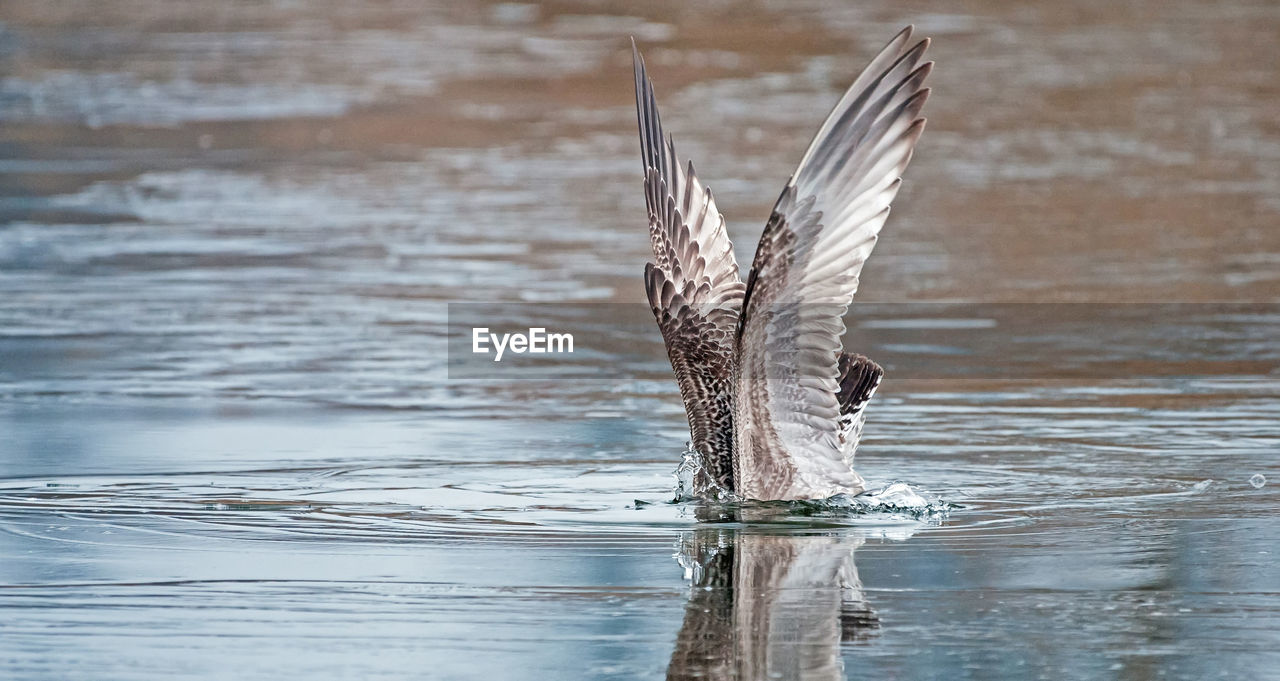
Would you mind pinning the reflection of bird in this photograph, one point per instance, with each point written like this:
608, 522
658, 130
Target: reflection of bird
769, 606
775, 406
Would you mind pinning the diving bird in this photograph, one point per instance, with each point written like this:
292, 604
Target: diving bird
775, 404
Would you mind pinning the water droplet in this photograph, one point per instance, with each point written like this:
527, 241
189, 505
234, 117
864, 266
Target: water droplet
1258, 480
685, 473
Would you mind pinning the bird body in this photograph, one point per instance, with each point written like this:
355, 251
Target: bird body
775, 404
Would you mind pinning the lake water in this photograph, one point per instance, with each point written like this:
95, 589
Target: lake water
231, 445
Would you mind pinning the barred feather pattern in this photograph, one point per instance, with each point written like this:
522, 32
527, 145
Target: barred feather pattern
859, 378
775, 405
694, 291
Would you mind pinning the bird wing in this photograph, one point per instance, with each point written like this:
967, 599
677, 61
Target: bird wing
859, 378
805, 273
693, 287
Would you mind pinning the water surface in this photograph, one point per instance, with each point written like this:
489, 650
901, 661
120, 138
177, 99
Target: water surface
231, 447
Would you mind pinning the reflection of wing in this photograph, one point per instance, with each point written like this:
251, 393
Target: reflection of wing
693, 287
769, 606
804, 276
706, 647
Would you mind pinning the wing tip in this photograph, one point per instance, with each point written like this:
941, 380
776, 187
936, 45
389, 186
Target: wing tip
915, 104
859, 378
898, 45
644, 89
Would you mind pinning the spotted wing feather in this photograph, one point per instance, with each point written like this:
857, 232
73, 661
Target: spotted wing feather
693, 287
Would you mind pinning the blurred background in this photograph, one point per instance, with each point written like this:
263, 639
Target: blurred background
229, 231
267, 199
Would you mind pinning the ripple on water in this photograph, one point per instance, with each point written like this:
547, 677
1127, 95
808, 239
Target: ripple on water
570, 500
585, 503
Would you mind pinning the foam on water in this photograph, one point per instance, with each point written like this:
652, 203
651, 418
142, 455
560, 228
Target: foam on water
895, 500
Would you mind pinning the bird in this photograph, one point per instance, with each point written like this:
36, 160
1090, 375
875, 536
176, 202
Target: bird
775, 404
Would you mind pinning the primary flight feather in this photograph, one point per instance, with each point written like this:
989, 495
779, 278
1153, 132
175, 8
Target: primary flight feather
775, 404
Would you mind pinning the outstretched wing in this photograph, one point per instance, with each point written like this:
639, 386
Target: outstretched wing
693, 287
804, 276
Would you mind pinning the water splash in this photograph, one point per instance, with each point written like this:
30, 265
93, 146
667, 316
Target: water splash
896, 499
687, 485
685, 473
1258, 480
901, 497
